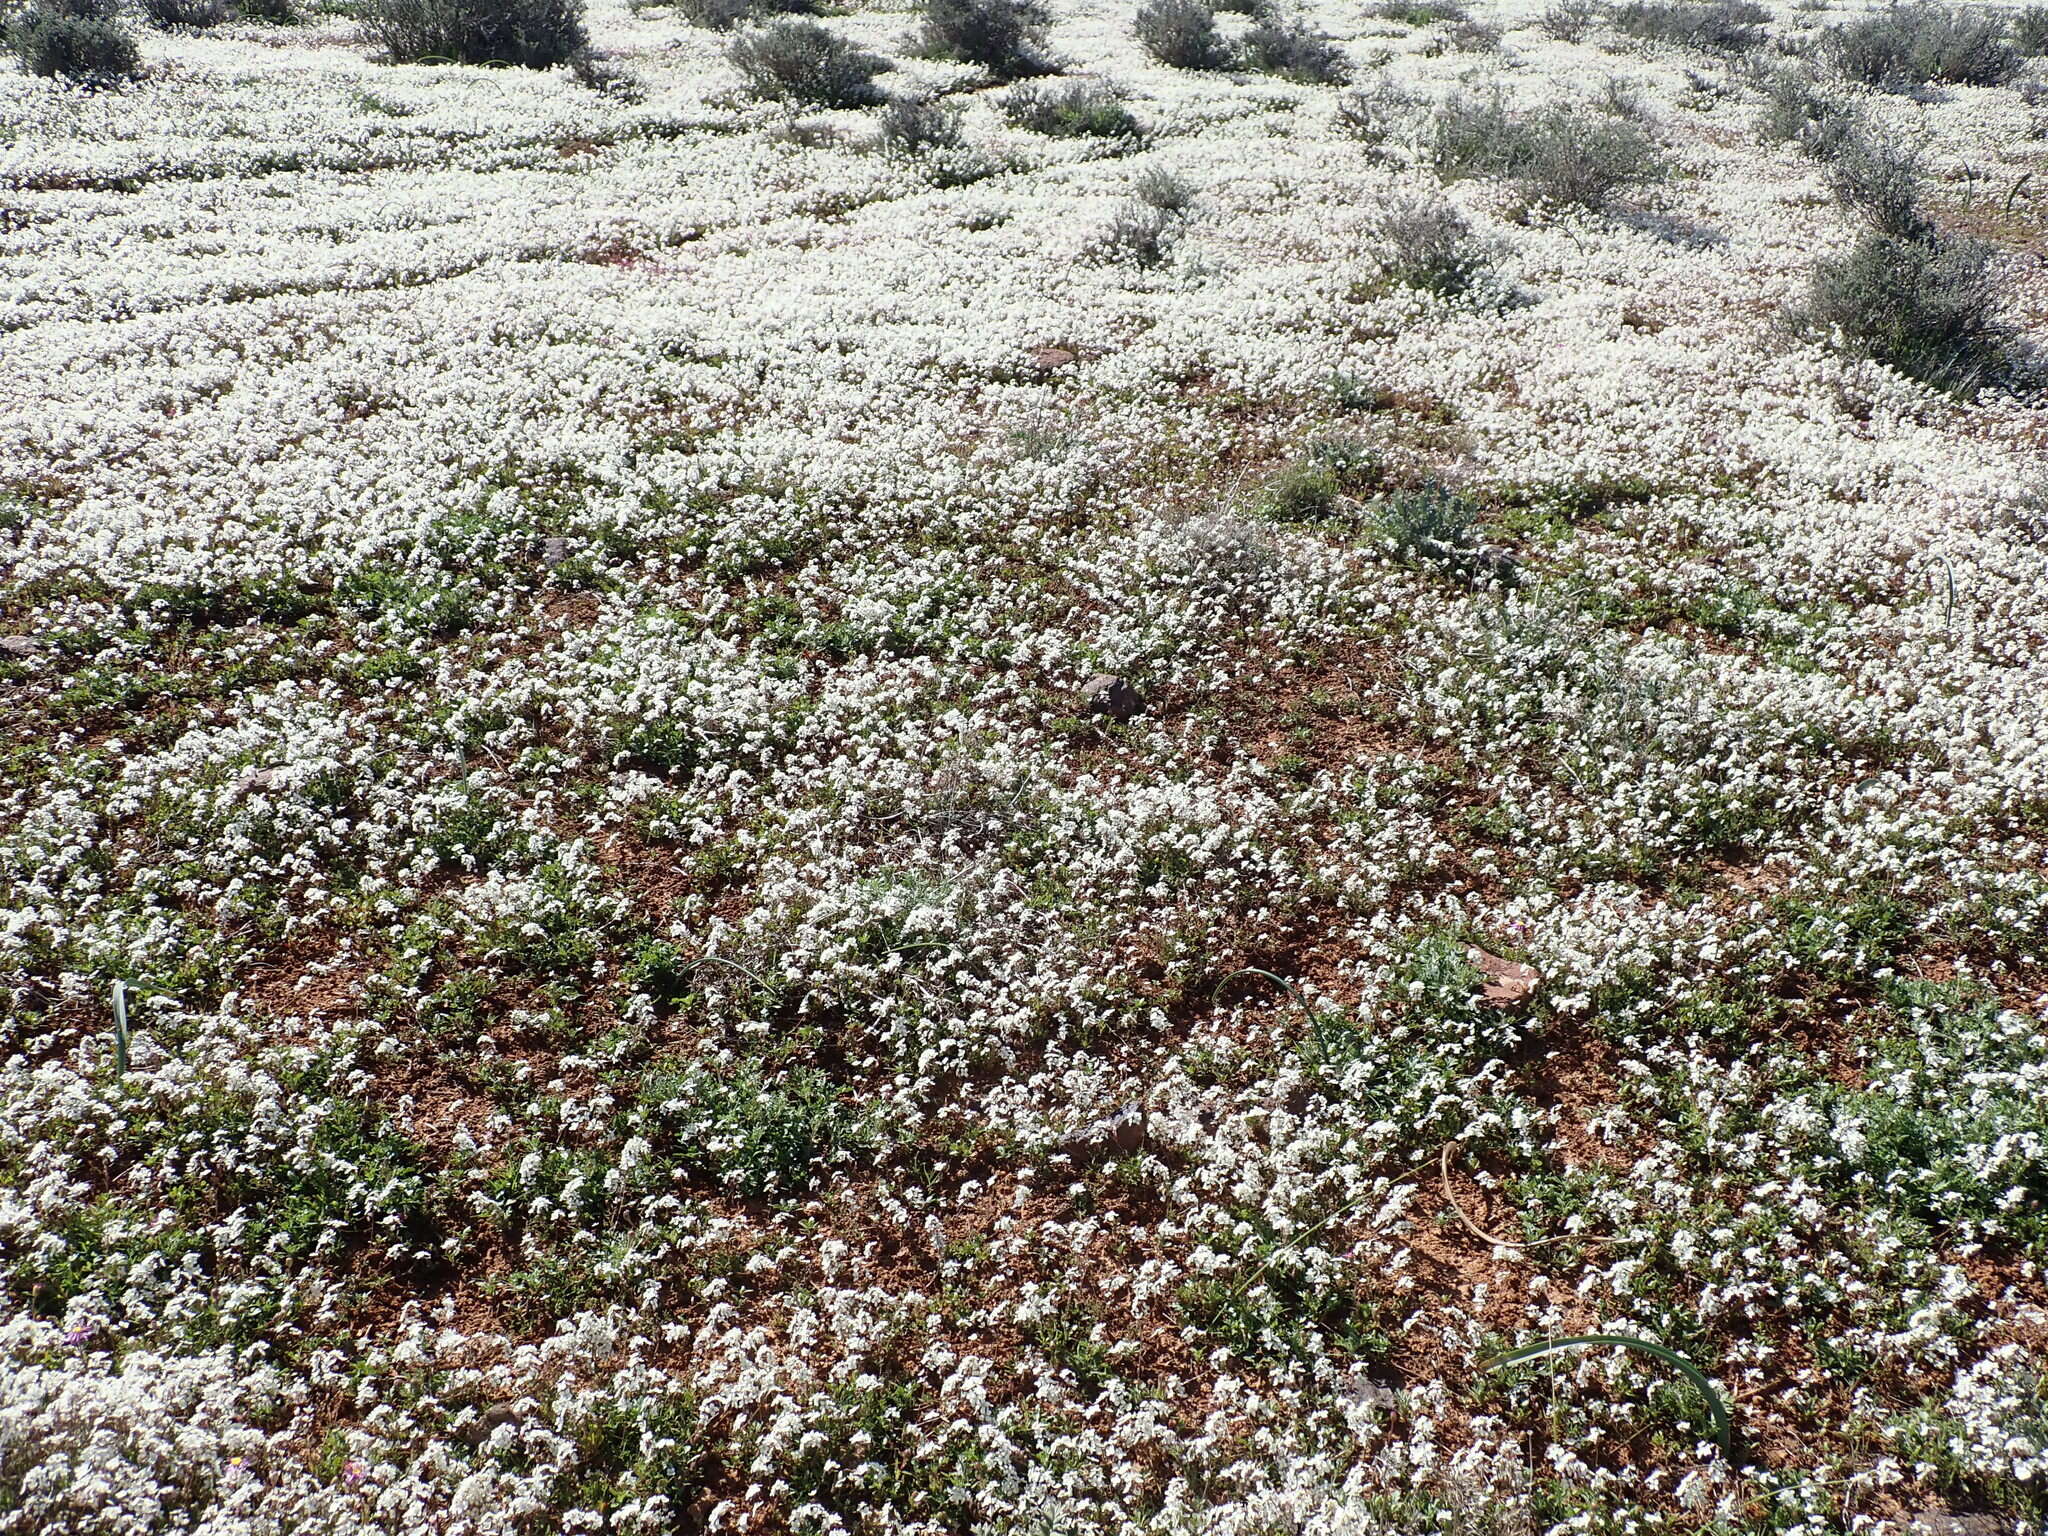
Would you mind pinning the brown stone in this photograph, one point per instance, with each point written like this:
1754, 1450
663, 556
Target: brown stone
1112, 696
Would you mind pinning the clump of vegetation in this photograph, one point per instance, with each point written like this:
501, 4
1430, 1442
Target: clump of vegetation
1157, 187
1374, 114
1881, 182
1295, 51
1798, 112
1558, 156
78, 40
1569, 20
1004, 37
538, 34
1728, 26
1421, 13
1430, 525
2030, 31
185, 13
1428, 245
1922, 43
797, 60
1925, 306
724, 15
1310, 487
1076, 109
1182, 34
914, 125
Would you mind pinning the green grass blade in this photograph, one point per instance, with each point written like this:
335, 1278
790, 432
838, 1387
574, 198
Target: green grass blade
1717, 1411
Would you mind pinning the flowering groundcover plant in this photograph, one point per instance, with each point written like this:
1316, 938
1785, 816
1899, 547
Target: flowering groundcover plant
1033, 824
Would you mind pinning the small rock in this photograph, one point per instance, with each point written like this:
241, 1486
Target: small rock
553, 551
1124, 1132
264, 779
1505, 981
19, 647
1046, 359
1112, 696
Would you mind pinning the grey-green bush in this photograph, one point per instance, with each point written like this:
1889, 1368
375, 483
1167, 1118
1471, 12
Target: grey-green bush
913, 125
1157, 187
1430, 524
1569, 20
1928, 308
538, 34
1922, 43
795, 60
1374, 114
1294, 50
76, 40
1004, 37
2030, 31
1073, 110
1881, 183
1182, 33
185, 13
1729, 26
1429, 246
1557, 156
1798, 112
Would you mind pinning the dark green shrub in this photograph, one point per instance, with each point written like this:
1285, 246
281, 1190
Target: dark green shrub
1005, 37
79, 40
537, 34
1182, 33
724, 15
1076, 109
1309, 488
1928, 308
802, 61
1922, 43
1294, 50
1730, 26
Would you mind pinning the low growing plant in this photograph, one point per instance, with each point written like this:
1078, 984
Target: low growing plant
537, 34
1923, 43
1294, 50
802, 61
1004, 37
1926, 307
1074, 109
1727, 26
1182, 33
76, 40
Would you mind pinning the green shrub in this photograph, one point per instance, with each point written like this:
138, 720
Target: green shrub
78, 40
1182, 33
1558, 156
796, 60
1376, 113
1925, 307
1420, 13
1428, 524
1797, 112
1429, 246
1569, 20
1881, 183
1005, 37
916, 124
1922, 43
537, 34
1309, 487
1731, 26
1157, 187
185, 13
1295, 51
1077, 109
2030, 31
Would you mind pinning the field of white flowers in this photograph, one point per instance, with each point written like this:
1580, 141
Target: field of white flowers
871, 820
